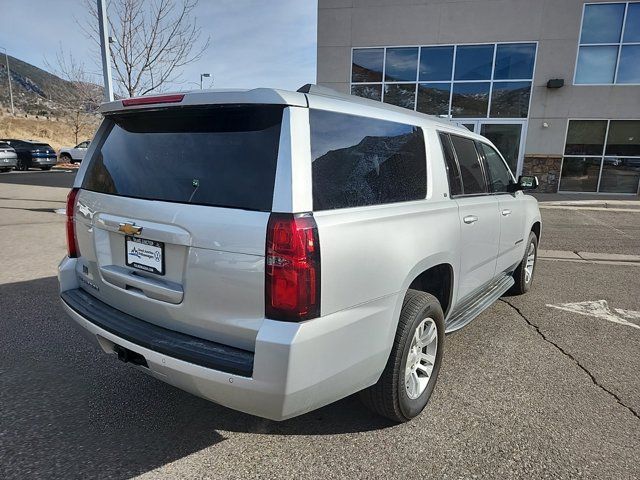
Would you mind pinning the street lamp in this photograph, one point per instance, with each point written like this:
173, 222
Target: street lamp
9, 78
104, 50
203, 75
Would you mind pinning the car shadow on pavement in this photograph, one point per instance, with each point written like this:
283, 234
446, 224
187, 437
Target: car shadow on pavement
69, 410
52, 178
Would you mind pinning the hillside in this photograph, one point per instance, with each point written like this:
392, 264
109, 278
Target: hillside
35, 91
56, 133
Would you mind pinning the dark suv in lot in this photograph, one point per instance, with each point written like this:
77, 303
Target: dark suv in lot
32, 154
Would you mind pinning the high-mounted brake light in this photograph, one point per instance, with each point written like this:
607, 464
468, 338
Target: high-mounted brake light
72, 243
292, 268
130, 102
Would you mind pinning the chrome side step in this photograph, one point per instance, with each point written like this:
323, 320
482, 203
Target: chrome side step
476, 305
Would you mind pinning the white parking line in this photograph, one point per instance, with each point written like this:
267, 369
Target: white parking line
600, 309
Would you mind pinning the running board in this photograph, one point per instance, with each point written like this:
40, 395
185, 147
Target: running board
475, 306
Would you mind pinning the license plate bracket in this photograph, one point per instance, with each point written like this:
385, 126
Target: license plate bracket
144, 254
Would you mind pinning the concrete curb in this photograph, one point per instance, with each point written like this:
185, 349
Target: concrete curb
588, 256
66, 166
613, 205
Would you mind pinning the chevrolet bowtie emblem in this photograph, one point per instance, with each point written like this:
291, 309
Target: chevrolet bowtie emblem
129, 229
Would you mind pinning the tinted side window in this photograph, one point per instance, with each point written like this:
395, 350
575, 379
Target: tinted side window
361, 161
499, 176
470, 168
455, 182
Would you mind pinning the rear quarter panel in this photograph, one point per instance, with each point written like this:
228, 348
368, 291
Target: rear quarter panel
371, 252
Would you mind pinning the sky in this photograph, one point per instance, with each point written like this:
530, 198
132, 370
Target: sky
254, 43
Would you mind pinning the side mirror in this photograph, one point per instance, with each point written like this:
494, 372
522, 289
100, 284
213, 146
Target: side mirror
525, 182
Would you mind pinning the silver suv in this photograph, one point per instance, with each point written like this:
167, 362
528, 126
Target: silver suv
276, 251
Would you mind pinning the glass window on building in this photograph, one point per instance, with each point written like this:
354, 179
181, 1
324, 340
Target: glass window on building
436, 63
460, 81
475, 85
507, 137
602, 156
401, 64
474, 62
470, 99
400, 94
609, 48
367, 65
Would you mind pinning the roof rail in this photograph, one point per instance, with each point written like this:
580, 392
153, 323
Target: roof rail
313, 89
330, 92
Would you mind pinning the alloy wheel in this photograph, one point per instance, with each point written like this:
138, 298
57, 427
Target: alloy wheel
531, 260
421, 358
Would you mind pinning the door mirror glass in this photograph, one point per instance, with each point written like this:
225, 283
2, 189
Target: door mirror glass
527, 182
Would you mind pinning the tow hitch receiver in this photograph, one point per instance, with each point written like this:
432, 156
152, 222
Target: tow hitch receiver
127, 356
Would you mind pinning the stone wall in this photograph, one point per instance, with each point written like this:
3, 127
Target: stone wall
546, 168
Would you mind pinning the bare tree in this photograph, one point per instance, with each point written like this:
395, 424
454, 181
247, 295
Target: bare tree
79, 106
152, 40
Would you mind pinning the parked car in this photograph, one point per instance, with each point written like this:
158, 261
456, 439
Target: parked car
276, 251
74, 154
8, 157
32, 154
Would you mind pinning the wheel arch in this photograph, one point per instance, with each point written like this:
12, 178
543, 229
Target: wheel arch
423, 276
537, 229
438, 281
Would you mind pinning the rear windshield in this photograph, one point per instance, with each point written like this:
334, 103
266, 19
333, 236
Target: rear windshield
219, 156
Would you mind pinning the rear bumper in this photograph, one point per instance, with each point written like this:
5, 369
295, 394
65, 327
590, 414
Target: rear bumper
297, 367
8, 162
43, 161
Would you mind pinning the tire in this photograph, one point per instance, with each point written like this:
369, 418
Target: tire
22, 166
5, 170
391, 395
66, 158
48, 167
522, 275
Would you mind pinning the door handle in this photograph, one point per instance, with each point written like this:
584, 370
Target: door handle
470, 219
506, 212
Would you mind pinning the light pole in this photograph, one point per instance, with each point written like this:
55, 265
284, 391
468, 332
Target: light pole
104, 49
203, 75
9, 78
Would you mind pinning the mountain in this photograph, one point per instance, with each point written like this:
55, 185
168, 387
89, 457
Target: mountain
36, 91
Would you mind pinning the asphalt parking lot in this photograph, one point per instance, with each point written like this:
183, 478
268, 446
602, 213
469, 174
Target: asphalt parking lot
527, 390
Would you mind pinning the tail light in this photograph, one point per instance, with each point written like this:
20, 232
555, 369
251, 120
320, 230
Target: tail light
72, 244
292, 268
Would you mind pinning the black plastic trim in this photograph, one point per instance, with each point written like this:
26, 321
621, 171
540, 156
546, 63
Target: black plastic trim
162, 340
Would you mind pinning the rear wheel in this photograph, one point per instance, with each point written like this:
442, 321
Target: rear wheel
410, 375
66, 158
523, 275
22, 165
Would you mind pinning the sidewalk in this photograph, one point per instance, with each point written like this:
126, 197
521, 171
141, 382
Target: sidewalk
565, 255
588, 201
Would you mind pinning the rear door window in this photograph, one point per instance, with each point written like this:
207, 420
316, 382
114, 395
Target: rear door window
472, 175
453, 173
497, 171
360, 161
219, 156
